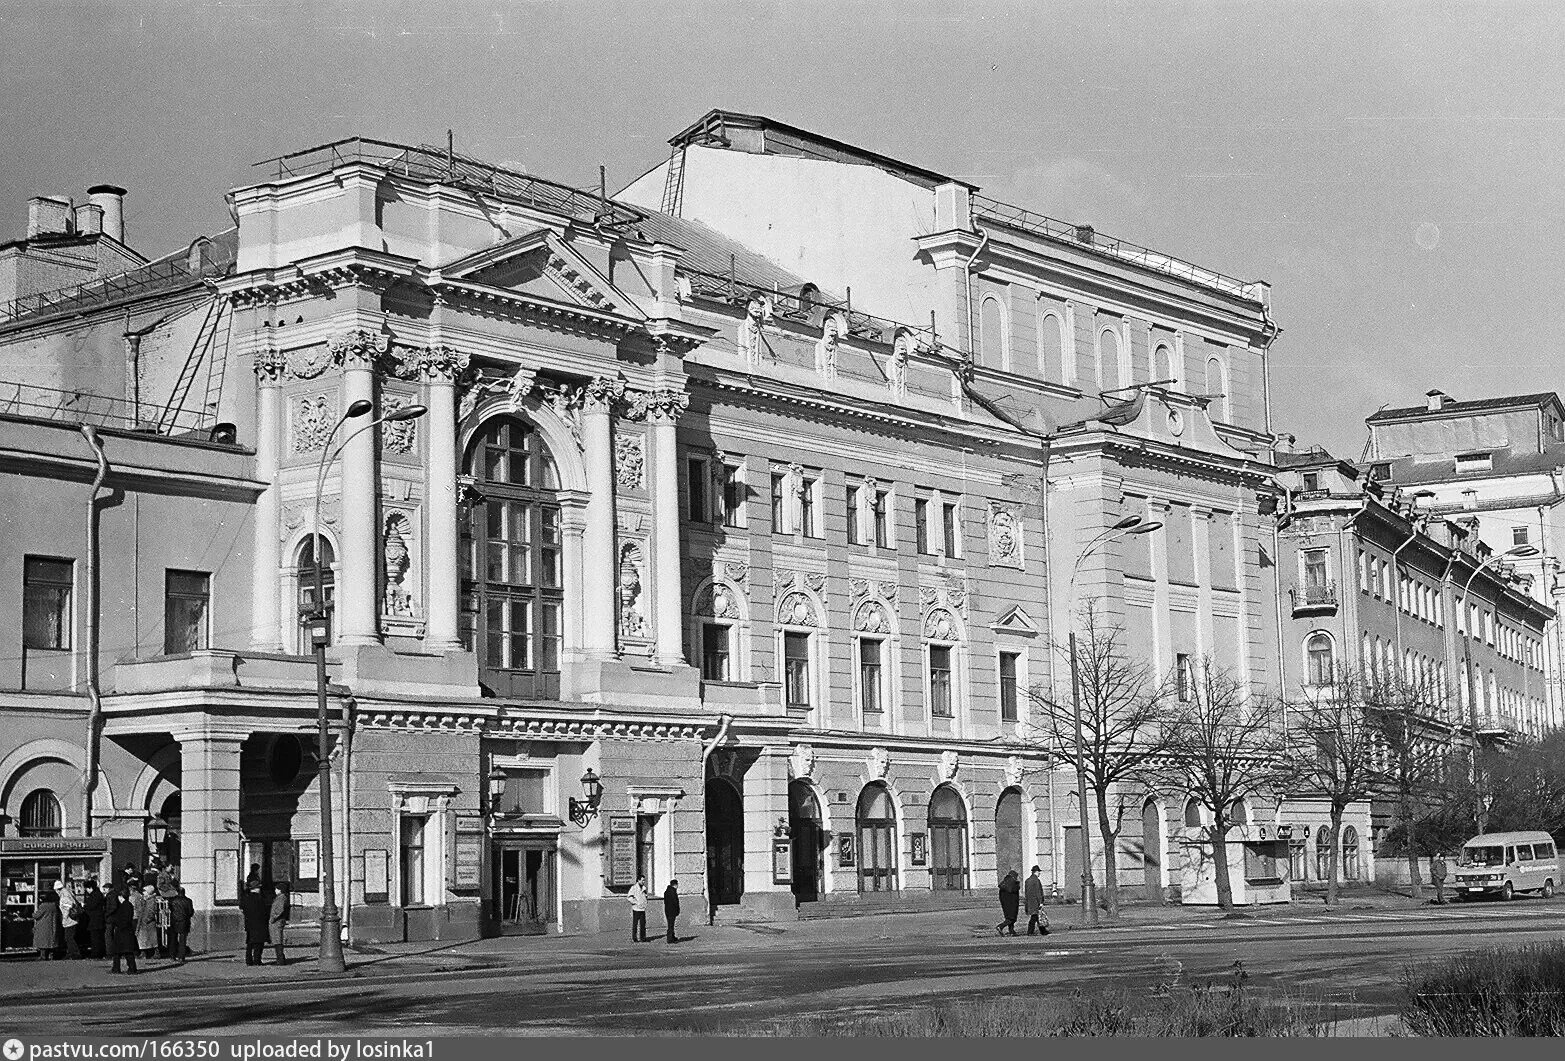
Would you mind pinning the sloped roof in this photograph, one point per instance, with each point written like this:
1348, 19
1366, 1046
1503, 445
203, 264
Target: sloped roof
1455, 408
709, 251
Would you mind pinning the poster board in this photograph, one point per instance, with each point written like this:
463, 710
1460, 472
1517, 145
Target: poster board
307, 877
782, 861
622, 851
377, 863
468, 855
847, 851
918, 848
226, 881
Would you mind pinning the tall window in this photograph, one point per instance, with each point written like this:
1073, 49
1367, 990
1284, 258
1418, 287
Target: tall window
41, 814
308, 571
779, 507
1184, 677
921, 524
46, 603
1323, 853
714, 652
854, 534
1315, 568
186, 623
1317, 650
870, 675
940, 681
951, 528
1217, 388
809, 508
796, 668
1163, 365
1008, 706
1108, 360
992, 336
512, 578
412, 859
733, 496
698, 485
880, 518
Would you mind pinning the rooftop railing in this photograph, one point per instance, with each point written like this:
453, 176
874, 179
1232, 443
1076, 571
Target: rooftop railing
144, 279
99, 410
1087, 236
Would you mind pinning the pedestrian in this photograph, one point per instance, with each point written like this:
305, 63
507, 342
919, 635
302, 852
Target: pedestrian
1032, 896
181, 911
1010, 901
70, 919
147, 922
638, 910
277, 922
256, 912
671, 908
131, 878
254, 876
167, 881
1437, 872
46, 925
93, 911
120, 920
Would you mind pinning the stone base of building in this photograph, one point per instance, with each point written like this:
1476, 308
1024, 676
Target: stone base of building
394, 924
859, 904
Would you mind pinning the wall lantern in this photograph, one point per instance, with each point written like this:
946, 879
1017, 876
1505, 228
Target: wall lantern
583, 811
497, 780
780, 831
157, 832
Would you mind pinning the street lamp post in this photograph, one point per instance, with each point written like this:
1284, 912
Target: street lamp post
1516, 552
330, 958
1089, 888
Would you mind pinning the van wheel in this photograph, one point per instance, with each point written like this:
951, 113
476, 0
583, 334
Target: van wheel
1507, 893
1548, 889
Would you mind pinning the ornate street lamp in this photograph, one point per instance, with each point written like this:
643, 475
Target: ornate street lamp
583, 811
497, 782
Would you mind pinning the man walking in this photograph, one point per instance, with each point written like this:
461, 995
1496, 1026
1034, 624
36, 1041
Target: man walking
638, 910
181, 911
1032, 897
671, 908
1437, 871
1010, 894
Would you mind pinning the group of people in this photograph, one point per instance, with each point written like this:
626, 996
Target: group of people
120, 921
1012, 897
637, 896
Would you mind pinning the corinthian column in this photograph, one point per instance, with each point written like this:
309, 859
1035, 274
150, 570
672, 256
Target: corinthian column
661, 409
599, 608
358, 591
439, 367
265, 625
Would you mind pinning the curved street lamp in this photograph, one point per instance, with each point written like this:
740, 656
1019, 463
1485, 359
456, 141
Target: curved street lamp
330, 958
1517, 552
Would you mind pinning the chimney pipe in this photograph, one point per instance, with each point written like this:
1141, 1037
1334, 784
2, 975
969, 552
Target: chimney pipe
112, 200
48, 215
89, 219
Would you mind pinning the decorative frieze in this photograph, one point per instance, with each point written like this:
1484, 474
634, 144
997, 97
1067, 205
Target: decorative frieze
397, 436
664, 404
630, 459
359, 348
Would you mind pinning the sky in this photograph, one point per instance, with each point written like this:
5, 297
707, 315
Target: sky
1392, 169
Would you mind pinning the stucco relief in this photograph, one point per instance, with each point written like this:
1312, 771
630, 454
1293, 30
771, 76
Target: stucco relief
398, 436
796, 609
398, 599
307, 362
950, 763
1005, 538
896, 371
1013, 770
826, 349
858, 588
941, 625
871, 618
665, 404
888, 592
801, 764
311, 423
736, 572
757, 313
717, 601
815, 581
928, 596
359, 348
956, 595
630, 462
632, 598
269, 364
475, 388
879, 763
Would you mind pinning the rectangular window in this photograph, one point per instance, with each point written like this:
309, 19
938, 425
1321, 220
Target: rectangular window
733, 496
921, 524
186, 626
1363, 572
779, 508
1518, 535
1474, 462
1315, 568
412, 860
1379, 472
46, 603
951, 529
796, 669
869, 676
881, 515
940, 681
1311, 482
1008, 705
854, 536
698, 490
526, 792
809, 508
714, 652
1184, 677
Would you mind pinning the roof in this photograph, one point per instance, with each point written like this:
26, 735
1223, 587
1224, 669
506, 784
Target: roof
1455, 408
709, 251
1409, 471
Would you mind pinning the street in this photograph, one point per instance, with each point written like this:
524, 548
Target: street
733, 977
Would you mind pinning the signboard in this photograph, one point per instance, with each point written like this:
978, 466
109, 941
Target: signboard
846, 851
226, 882
376, 865
53, 845
468, 855
782, 861
309, 874
917, 848
622, 851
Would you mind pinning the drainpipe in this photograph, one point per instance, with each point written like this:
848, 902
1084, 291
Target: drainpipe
90, 591
350, 709
723, 722
967, 284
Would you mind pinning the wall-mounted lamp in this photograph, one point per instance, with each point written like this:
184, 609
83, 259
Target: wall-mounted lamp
583, 811
497, 781
157, 832
780, 831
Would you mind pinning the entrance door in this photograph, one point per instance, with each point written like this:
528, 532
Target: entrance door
724, 841
1152, 850
522, 896
808, 847
1009, 850
1071, 884
877, 840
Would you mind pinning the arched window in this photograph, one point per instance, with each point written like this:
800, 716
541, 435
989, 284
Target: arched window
877, 828
41, 815
1217, 388
512, 577
1238, 813
948, 840
1323, 853
1163, 365
1108, 360
992, 336
1010, 845
1319, 664
1051, 349
307, 573
1350, 853
1192, 812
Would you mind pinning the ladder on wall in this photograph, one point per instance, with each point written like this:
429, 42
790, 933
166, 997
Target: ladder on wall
674, 184
192, 367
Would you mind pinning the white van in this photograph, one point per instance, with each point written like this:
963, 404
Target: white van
1506, 863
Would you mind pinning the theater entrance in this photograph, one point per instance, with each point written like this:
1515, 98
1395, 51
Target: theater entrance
522, 886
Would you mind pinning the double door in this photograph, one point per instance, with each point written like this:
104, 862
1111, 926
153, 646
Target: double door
524, 879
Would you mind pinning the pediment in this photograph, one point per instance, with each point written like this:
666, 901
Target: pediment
541, 264
1016, 621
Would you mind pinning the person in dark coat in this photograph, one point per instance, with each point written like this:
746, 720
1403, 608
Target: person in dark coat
181, 912
277, 920
120, 918
256, 912
46, 925
671, 908
1032, 899
92, 917
1010, 903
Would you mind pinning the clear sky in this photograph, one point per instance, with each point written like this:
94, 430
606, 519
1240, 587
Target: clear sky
1394, 170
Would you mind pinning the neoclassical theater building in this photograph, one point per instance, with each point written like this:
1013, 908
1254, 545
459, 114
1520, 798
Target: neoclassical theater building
740, 513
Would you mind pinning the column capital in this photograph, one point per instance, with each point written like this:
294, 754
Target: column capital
601, 392
665, 403
439, 364
269, 365
358, 348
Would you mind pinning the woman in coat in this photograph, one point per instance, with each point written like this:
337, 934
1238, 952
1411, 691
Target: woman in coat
120, 919
147, 922
46, 925
1010, 903
92, 916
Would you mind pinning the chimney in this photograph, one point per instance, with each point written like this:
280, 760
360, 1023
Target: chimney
48, 215
112, 200
89, 219
1085, 234
1437, 400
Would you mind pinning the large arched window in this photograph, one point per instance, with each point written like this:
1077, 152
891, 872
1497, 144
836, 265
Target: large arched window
1108, 360
1192, 812
512, 562
991, 324
307, 573
947, 840
1323, 853
1350, 853
1010, 823
1318, 659
41, 815
877, 826
1217, 388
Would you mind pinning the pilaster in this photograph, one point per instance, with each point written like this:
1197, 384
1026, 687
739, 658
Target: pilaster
661, 409
265, 625
599, 572
358, 600
439, 366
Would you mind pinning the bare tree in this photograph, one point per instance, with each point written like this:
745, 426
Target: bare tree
1404, 713
1122, 708
1333, 753
1223, 743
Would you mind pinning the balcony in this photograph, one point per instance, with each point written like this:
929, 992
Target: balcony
1314, 599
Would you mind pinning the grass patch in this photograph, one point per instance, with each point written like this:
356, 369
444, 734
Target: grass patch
1495, 991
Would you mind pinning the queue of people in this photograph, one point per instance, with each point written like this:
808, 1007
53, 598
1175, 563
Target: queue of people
144, 915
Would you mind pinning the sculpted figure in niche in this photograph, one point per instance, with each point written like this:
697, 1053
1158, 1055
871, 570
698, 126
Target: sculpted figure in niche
826, 349
398, 559
633, 620
757, 312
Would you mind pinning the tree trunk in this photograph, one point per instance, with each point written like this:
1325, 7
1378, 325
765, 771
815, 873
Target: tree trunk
1110, 844
1225, 888
1332, 869
1414, 887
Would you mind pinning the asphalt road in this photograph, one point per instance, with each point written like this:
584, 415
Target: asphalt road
734, 977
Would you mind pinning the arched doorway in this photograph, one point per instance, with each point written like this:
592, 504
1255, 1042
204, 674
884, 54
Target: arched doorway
804, 825
947, 840
1010, 851
724, 841
877, 826
1152, 850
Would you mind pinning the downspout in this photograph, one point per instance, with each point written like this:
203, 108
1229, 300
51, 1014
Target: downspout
723, 722
90, 592
350, 710
967, 283
1350, 644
